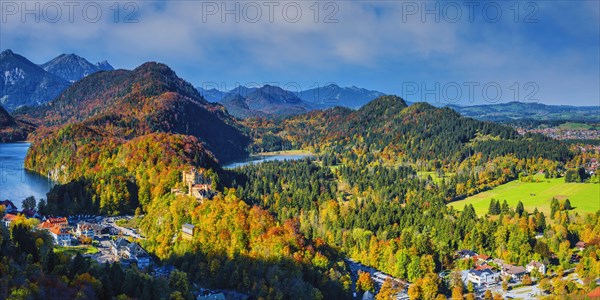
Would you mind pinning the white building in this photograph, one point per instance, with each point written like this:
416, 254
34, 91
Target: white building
535, 265
61, 235
483, 277
84, 229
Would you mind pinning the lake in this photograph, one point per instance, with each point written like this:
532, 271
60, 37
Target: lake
16, 183
271, 156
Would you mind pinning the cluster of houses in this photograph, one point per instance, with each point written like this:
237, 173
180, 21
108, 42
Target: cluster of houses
198, 185
489, 271
67, 232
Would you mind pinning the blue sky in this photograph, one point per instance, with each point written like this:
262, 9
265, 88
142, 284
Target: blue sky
547, 52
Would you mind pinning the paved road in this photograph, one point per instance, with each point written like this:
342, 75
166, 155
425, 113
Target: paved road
125, 231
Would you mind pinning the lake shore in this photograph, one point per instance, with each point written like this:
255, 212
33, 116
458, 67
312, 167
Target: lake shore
283, 152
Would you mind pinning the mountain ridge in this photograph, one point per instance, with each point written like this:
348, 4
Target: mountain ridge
72, 67
23, 83
150, 98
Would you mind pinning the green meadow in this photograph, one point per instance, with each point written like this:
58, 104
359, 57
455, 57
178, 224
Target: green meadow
434, 176
584, 197
73, 250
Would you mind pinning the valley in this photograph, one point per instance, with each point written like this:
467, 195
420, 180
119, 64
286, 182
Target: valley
391, 198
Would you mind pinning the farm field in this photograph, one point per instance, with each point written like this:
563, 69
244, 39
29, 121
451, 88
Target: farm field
584, 197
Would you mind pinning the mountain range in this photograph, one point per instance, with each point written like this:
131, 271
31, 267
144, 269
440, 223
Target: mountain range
71, 67
23, 83
270, 101
508, 112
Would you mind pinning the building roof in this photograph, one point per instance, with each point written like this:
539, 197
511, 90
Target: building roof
482, 257
9, 217
483, 267
56, 229
466, 252
8, 204
84, 226
29, 212
595, 293
480, 273
62, 220
514, 270
535, 264
190, 226
120, 242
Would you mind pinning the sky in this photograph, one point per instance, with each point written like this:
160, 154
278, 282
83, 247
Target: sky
447, 52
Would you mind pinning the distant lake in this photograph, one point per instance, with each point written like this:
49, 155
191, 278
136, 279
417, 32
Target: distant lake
271, 156
16, 183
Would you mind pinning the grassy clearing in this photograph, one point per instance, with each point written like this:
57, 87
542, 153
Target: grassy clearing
73, 250
584, 197
575, 126
434, 175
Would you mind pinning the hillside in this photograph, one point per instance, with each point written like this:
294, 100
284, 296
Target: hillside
149, 99
388, 126
12, 130
24, 83
118, 139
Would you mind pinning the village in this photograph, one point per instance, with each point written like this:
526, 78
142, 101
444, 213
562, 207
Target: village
102, 239
109, 241
106, 242
486, 274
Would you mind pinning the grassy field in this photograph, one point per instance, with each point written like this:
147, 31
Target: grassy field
73, 250
575, 126
584, 197
434, 176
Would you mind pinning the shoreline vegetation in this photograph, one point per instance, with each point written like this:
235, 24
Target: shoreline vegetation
283, 152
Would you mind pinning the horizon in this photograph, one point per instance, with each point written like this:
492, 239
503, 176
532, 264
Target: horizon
211, 87
533, 52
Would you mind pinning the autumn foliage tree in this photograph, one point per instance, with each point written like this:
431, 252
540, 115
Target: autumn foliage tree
365, 282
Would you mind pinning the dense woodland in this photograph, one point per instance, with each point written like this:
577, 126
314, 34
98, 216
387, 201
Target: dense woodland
376, 191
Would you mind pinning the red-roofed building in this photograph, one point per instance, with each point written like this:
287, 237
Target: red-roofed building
58, 221
52, 222
7, 219
61, 235
595, 293
481, 258
484, 267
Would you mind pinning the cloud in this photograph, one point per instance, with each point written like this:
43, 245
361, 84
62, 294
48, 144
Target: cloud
376, 44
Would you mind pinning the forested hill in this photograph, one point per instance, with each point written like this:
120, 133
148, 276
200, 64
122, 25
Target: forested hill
149, 99
12, 130
118, 139
388, 127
